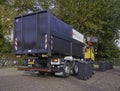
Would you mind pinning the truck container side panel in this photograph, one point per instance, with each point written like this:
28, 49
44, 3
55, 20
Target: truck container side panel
61, 46
60, 27
77, 36
29, 29
81, 45
62, 33
77, 49
17, 32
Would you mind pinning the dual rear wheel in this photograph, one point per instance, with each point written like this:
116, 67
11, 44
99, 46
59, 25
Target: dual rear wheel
67, 70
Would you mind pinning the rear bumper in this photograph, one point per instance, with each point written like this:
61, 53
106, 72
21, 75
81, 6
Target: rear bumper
39, 69
33, 69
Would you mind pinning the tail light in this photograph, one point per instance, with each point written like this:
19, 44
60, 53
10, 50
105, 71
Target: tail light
30, 60
54, 60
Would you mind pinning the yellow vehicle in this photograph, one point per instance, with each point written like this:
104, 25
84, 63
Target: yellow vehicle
89, 48
89, 54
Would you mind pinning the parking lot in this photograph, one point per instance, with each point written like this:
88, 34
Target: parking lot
13, 80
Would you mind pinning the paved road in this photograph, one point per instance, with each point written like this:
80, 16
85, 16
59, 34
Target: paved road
13, 80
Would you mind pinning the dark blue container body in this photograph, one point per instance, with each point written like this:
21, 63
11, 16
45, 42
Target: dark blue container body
91, 67
111, 64
43, 33
85, 70
102, 66
105, 65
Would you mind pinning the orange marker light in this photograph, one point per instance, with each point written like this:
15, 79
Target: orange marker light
54, 60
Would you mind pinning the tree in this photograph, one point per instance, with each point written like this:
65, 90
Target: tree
6, 25
23, 6
97, 17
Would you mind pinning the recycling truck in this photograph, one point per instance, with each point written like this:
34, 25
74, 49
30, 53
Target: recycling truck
49, 44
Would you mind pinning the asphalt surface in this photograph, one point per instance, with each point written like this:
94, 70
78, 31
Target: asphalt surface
13, 80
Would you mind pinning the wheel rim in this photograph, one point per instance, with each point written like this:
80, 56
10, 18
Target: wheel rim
76, 69
67, 69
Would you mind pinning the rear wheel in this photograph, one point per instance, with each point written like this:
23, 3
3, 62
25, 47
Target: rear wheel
76, 69
66, 70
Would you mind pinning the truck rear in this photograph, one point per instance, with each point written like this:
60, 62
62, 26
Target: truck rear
49, 44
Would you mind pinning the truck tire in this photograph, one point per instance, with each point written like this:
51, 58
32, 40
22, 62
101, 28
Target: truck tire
76, 69
66, 70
